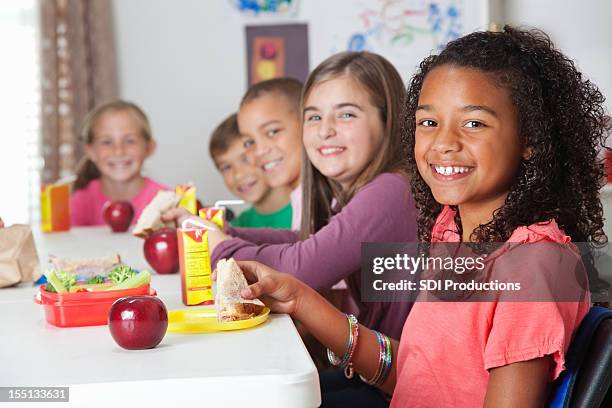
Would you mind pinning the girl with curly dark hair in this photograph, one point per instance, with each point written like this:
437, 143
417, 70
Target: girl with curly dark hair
504, 133
561, 123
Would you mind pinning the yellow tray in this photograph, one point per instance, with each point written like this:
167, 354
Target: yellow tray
204, 320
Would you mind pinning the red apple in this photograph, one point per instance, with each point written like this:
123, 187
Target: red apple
138, 322
118, 214
161, 251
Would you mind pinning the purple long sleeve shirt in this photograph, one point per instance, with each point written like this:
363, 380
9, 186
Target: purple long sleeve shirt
381, 211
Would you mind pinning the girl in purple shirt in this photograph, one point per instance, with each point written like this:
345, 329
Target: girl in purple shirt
355, 187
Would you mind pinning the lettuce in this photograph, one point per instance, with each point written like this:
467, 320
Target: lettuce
121, 273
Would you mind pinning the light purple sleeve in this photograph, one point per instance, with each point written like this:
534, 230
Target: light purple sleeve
264, 235
381, 211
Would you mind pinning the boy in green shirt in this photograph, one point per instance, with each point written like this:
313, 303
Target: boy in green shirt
270, 206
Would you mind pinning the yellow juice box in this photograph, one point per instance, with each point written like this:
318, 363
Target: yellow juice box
215, 215
189, 200
55, 207
194, 261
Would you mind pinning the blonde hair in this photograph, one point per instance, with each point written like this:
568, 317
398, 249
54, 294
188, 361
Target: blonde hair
86, 169
383, 84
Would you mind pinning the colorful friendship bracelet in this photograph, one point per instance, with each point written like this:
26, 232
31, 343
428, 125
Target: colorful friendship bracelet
385, 360
385, 355
350, 349
388, 361
381, 356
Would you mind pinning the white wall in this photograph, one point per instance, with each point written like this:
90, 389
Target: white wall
581, 29
184, 62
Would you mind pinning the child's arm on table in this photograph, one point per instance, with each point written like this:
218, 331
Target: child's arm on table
300, 260
260, 236
285, 294
256, 236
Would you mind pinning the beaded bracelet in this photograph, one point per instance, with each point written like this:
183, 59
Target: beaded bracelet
385, 359
350, 349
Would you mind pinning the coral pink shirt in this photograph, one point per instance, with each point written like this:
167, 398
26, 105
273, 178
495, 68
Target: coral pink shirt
447, 348
86, 204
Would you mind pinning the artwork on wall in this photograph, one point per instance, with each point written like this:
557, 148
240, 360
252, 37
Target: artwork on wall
399, 23
404, 31
266, 8
275, 51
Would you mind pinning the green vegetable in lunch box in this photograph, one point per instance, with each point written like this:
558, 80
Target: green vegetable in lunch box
95, 279
121, 273
137, 280
123, 277
59, 281
49, 287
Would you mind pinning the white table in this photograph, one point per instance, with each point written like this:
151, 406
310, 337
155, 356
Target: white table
266, 366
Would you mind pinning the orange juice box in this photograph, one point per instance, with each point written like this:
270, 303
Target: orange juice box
55, 207
188, 201
194, 261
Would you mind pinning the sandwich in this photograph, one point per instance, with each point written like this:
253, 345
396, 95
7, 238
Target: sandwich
85, 267
150, 219
231, 306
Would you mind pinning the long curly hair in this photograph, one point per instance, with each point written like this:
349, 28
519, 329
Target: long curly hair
562, 119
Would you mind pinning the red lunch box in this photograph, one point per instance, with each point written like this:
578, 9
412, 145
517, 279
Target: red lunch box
84, 308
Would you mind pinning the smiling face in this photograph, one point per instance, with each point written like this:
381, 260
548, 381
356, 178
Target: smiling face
343, 130
241, 177
467, 144
118, 147
272, 135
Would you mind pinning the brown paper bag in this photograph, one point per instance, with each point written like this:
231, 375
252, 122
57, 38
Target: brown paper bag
18, 257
